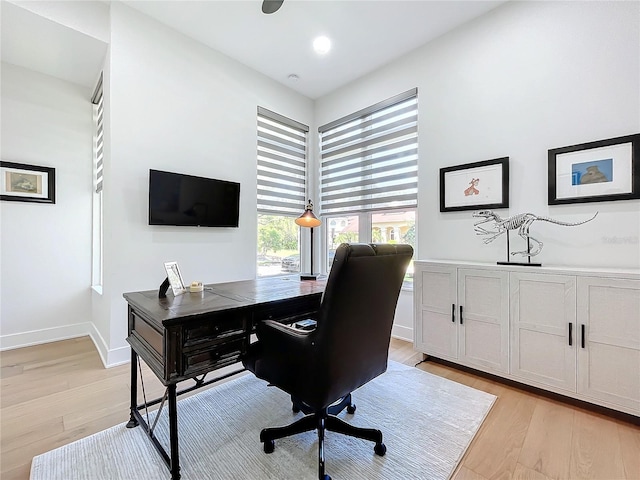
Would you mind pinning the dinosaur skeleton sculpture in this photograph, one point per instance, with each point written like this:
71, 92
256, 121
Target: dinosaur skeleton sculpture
520, 222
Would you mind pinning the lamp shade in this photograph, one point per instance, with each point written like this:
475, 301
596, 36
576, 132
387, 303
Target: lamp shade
308, 219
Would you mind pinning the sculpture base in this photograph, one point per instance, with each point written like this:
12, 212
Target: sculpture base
522, 264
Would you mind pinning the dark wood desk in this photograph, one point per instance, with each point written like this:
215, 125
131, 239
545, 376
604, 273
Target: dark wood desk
185, 337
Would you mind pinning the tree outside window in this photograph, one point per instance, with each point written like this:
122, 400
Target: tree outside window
278, 245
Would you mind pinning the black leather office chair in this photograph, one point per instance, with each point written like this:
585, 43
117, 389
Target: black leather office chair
348, 348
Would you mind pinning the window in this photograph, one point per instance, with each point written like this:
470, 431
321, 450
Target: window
395, 226
369, 174
340, 230
388, 226
282, 172
98, 161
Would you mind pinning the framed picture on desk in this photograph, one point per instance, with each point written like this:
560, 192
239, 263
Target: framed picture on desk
175, 278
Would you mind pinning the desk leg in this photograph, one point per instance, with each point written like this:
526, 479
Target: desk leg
132, 423
173, 432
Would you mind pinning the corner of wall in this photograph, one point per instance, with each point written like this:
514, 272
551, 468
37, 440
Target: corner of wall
109, 358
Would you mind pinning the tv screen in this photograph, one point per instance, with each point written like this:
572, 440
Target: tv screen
177, 199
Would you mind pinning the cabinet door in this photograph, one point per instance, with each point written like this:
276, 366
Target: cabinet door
543, 310
435, 328
609, 362
483, 318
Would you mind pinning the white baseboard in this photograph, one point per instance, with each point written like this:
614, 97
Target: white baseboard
99, 343
403, 333
110, 358
118, 356
46, 335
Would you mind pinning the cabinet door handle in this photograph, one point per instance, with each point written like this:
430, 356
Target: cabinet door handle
461, 319
570, 333
453, 312
582, 328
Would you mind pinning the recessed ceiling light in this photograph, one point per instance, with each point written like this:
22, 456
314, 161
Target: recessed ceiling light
322, 45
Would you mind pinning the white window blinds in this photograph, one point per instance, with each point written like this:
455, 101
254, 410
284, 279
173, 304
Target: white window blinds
282, 164
369, 159
97, 100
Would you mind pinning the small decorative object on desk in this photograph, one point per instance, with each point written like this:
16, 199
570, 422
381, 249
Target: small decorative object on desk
175, 278
520, 222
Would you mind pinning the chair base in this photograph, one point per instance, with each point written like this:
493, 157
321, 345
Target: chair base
321, 421
333, 409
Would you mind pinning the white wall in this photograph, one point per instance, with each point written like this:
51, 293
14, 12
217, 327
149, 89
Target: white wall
524, 78
179, 106
403, 320
45, 248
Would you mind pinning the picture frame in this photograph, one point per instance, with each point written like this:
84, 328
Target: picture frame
175, 278
600, 171
475, 186
20, 182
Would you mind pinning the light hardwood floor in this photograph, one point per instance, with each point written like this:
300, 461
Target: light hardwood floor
59, 392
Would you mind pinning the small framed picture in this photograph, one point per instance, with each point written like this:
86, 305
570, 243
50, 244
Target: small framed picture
601, 171
20, 182
475, 186
175, 278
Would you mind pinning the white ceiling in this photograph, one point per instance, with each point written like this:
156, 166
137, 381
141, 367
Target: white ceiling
37, 43
365, 35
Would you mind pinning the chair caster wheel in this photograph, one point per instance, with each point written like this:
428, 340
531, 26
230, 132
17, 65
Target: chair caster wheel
351, 408
380, 449
269, 446
326, 477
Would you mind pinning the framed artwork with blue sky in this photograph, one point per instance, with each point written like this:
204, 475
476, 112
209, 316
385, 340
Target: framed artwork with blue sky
605, 170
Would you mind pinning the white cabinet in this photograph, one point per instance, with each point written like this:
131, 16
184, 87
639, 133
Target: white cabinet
463, 316
571, 331
435, 299
608, 341
483, 319
543, 323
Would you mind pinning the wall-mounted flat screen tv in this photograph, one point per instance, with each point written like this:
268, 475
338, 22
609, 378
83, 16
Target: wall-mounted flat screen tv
177, 199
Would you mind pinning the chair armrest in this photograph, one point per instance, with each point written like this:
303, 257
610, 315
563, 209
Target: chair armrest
283, 355
283, 340
279, 326
270, 330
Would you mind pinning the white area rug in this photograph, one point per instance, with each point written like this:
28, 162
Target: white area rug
427, 424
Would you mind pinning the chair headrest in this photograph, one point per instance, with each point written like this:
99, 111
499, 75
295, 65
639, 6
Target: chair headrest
372, 249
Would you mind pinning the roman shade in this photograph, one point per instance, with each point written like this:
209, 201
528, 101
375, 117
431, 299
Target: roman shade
369, 159
98, 101
282, 164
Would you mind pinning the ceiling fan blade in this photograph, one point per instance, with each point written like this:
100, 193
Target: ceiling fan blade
271, 6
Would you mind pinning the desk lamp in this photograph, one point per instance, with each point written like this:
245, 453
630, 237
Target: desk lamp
309, 220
